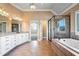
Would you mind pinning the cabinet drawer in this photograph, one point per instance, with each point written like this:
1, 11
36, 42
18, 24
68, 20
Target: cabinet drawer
5, 49
5, 45
3, 40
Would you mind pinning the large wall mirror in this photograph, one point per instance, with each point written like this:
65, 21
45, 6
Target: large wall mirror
3, 21
2, 26
16, 26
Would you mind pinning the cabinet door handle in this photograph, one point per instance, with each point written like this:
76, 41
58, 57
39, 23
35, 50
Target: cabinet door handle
6, 37
7, 40
14, 43
14, 40
7, 48
7, 44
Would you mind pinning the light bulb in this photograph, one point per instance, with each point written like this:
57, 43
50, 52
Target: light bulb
32, 6
7, 14
4, 12
0, 10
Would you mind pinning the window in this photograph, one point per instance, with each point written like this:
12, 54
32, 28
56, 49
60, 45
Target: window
34, 26
77, 22
61, 25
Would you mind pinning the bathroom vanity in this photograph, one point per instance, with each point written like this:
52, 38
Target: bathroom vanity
8, 41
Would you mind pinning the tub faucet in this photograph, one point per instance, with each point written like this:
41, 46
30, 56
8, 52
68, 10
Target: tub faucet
63, 40
58, 38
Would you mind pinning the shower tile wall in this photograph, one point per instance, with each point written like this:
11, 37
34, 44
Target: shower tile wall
63, 35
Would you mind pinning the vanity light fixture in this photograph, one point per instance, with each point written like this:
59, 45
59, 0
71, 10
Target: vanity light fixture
3, 12
17, 18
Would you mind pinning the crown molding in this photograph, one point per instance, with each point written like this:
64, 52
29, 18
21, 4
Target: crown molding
34, 10
45, 9
16, 6
68, 8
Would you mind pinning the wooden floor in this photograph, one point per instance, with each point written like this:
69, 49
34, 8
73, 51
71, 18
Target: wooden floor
36, 48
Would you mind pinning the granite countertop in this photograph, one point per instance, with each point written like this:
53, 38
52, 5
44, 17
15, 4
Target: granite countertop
10, 33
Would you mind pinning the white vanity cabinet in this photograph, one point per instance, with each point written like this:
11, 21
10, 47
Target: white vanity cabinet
23, 37
9, 42
19, 39
5, 43
13, 41
26, 37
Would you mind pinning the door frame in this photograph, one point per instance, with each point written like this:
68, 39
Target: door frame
46, 31
30, 28
40, 30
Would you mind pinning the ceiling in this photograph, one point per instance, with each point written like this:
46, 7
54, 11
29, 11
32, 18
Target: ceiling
56, 8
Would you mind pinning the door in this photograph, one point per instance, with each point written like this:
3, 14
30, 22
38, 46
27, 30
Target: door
49, 30
34, 30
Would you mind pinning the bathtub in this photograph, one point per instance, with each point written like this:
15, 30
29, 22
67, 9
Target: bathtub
70, 44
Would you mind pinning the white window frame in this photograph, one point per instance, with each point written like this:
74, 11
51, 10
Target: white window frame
76, 32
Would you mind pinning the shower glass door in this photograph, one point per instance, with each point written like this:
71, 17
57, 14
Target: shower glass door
50, 30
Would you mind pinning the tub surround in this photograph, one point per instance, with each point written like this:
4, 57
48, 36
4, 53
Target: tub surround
61, 35
70, 44
74, 36
77, 37
62, 48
